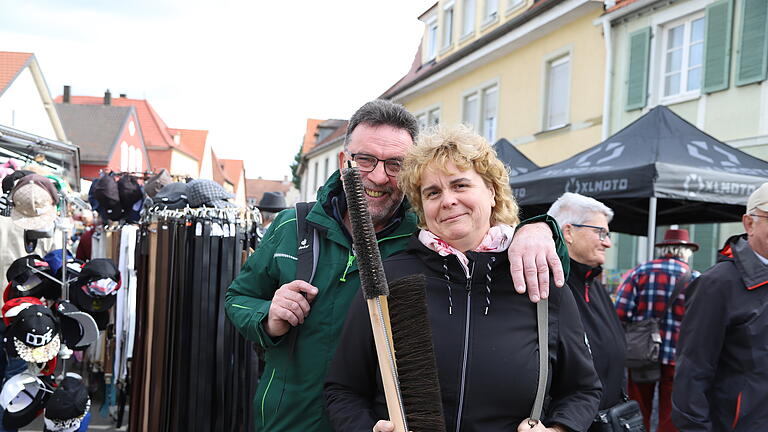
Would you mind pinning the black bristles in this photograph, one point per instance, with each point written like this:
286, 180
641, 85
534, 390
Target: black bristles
372, 279
415, 354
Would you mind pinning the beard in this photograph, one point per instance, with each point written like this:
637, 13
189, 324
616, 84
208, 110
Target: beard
381, 209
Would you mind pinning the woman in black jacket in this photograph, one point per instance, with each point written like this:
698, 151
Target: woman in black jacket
584, 222
484, 333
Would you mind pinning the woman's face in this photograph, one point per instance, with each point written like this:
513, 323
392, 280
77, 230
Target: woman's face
457, 206
584, 244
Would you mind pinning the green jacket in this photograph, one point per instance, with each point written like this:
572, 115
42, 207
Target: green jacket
290, 392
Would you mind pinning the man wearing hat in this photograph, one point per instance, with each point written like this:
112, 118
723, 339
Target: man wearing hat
270, 205
722, 354
646, 293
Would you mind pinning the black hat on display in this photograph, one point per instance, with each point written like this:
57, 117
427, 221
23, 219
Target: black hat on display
272, 202
129, 190
26, 282
10, 180
173, 196
154, 184
68, 405
78, 329
204, 192
94, 290
34, 335
22, 398
12, 307
107, 195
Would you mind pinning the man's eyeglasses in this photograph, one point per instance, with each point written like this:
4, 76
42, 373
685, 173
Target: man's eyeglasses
760, 216
367, 163
602, 233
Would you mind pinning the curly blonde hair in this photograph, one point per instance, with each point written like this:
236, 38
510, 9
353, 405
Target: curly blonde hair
439, 146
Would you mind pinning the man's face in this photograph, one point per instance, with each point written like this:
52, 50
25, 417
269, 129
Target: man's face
757, 230
381, 190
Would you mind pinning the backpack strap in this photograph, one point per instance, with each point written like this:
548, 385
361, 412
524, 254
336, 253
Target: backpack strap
308, 254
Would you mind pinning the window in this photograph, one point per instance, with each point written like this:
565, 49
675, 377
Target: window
557, 92
317, 168
430, 117
491, 10
448, 25
124, 156
490, 112
480, 111
513, 4
468, 17
431, 38
327, 164
683, 51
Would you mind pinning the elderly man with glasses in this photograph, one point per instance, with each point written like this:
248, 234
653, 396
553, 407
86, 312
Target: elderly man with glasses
722, 355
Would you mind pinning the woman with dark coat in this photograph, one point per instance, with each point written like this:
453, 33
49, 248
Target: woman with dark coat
584, 223
484, 333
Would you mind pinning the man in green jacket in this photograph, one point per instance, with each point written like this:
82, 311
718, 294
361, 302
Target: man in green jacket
265, 301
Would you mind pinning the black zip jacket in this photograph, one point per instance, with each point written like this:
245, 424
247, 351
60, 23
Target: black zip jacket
489, 387
721, 378
604, 330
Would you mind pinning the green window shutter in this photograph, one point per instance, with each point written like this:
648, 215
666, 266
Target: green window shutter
753, 45
637, 76
717, 46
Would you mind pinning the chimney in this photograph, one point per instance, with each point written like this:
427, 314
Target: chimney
123, 95
107, 97
67, 90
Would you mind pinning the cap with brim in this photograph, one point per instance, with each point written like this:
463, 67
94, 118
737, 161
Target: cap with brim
78, 328
90, 303
34, 335
273, 202
68, 405
19, 270
34, 203
12, 307
22, 398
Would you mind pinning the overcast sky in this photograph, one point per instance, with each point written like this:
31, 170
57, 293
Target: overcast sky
250, 72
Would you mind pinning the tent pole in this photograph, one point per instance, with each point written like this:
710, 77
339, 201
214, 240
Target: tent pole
651, 227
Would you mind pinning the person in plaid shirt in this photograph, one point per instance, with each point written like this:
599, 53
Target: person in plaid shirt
644, 294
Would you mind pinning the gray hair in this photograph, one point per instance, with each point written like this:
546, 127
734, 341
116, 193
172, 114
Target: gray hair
680, 251
381, 112
572, 208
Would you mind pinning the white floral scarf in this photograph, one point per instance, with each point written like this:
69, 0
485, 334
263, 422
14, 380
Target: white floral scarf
497, 239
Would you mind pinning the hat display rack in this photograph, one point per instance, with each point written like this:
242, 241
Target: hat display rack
191, 369
26, 337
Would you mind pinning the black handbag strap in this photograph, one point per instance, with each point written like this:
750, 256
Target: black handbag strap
542, 319
681, 282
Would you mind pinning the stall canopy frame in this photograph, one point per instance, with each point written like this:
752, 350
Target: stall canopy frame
62, 158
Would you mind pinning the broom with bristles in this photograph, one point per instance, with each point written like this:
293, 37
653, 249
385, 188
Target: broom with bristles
375, 290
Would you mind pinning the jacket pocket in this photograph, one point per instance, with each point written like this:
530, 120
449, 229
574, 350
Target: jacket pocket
269, 400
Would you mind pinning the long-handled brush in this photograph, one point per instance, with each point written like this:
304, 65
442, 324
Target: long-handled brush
375, 290
417, 402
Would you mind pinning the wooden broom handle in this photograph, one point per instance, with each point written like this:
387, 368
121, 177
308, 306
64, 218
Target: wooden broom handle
378, 311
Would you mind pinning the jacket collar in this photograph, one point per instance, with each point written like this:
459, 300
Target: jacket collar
753, 272
584, 272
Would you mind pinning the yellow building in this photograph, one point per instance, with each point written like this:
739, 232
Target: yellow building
528, 71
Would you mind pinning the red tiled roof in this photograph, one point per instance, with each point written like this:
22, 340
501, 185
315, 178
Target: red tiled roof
620, 4
341, 129
218, 170
11, 64
232, 169
192, 142
309, 135
156, 135
255, 188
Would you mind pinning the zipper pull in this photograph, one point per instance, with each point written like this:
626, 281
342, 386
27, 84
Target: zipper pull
350, 260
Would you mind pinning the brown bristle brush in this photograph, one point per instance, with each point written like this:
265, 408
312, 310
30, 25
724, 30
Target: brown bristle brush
373, 282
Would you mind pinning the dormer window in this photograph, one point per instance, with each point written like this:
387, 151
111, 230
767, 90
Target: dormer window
448, 25
468, 18
491, 10
431, 38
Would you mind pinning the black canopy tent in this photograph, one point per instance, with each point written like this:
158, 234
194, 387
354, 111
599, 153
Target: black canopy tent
659, 169
513, 158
